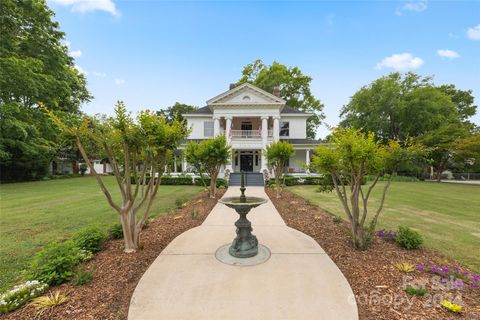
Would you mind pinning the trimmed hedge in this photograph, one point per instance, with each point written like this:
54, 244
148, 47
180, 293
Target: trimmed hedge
220, 182
170, 180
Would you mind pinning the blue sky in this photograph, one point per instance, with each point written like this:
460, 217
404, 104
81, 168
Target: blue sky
153, 53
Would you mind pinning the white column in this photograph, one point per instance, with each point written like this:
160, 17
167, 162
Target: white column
228, 124
276, 129
184, 163
216, 126
307, 159
264, 142
175, 163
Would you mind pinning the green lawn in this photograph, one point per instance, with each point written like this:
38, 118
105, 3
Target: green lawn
34, 213
447, 215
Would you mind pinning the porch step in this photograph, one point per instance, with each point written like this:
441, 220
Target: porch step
251, 179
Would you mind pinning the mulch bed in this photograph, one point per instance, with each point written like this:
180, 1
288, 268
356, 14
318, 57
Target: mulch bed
376, 283
117, 273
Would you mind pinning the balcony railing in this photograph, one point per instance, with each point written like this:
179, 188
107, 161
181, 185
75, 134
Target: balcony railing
248, 133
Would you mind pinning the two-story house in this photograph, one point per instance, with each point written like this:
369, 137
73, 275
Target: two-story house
252, 118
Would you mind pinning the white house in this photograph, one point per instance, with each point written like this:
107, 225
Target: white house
252, 118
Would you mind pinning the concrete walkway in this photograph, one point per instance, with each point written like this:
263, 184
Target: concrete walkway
299, 281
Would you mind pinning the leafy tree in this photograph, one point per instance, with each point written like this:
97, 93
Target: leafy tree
135, 148
441, 144
208, 156
294, 88
348, 159
467, 151
176, 111
398, 106
34, 67
277, 154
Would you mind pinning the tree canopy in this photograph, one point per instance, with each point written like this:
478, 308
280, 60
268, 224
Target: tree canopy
208, 156
176, 111
277, 155
34, 67
294, 88
398, 106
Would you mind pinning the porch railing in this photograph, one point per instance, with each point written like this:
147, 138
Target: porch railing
248, 133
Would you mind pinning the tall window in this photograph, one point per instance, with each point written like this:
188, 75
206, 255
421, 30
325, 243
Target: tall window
284, 129
208, 128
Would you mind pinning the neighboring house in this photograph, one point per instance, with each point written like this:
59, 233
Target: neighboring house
101, 167
252, 118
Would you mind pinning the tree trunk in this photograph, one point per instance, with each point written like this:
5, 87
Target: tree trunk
129, 235
213, 188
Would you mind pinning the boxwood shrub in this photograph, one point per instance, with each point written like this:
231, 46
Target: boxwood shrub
408, 238
220, 182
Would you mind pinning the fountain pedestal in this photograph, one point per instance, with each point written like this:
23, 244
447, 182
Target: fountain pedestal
245, 244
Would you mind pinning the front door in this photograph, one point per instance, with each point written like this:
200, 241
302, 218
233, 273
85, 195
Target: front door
246, 162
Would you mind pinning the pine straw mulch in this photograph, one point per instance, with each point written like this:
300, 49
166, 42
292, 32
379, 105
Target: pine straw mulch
376, 283
117, 273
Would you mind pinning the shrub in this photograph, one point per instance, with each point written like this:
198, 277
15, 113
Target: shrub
419, 292
408, 238
116, 231
55, 263
90, 238
21, 294
82, 277
181, 180
220, 182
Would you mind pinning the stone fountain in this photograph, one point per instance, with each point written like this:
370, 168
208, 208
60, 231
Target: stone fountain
245, 244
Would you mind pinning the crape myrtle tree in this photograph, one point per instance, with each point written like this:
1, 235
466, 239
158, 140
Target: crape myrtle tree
277, 155
350, 156
294, 88
208, 156
137, 150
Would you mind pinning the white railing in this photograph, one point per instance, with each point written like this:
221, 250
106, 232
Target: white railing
249, 133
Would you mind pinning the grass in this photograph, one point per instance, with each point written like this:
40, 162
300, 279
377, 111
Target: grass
35, 213
447, 215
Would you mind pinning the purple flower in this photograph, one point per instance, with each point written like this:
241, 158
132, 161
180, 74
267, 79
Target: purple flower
420, 268
476, 277
444, 280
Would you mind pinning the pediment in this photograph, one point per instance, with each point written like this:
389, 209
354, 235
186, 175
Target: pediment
246, 94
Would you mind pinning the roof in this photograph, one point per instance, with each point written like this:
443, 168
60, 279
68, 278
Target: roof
206, 111
302, 141
203, 110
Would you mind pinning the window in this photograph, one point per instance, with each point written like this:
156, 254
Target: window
208, 128
284, 129
256, 158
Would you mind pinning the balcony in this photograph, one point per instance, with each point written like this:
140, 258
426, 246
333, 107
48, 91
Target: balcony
248, 134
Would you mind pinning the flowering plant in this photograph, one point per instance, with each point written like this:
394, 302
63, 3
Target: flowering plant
21, 294
450, 306
455, 275
387, 234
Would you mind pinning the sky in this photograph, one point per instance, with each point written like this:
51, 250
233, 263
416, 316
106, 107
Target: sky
151, 54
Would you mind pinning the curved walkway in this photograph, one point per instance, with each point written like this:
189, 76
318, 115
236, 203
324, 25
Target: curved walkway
299, 281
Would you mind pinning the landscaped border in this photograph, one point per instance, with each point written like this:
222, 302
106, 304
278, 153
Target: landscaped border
377, 284
116, 273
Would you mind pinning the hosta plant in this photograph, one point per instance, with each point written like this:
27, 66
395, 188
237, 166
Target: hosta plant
21, 294
450, 306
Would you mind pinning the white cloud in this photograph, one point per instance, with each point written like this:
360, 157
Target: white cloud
89, 5
119, 82
75, 53
99, 74
417, 6
473, 33
81, 70
450, 54
400, 61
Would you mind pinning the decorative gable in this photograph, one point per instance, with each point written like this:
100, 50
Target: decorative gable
246, 94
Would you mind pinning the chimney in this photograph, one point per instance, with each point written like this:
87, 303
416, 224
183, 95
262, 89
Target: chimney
232, 86
276, 91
